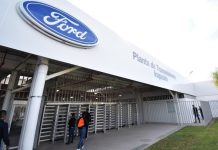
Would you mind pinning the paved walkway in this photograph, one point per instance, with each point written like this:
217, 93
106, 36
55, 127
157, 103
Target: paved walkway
134, 138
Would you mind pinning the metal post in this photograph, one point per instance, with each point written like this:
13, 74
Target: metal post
128, 115
179, 109
110, 116
121, 115
39, 124
11, 117
55, 92
34, 101
118, 116
176, 104
11, 84
104, 125
66, 125
139, 107
55, 123
96, 117
137, 114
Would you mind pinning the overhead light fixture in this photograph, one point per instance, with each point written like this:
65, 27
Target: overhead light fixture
57, 90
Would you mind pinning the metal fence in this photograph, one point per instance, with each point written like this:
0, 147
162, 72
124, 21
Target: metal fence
214, 108
179, 112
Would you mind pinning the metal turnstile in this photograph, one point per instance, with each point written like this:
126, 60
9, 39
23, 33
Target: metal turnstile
104, 116
47, 124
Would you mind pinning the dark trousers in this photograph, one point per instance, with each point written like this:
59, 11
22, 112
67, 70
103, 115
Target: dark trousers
82, 133
71, 134
202, 115
197, 116
87, 130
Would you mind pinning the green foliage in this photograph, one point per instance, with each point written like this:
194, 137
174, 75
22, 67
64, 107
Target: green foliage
215, 77
190, 138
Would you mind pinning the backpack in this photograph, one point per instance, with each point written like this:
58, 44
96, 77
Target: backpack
81, 123
72, 122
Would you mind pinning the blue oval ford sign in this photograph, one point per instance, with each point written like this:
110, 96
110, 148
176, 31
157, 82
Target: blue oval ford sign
58, 24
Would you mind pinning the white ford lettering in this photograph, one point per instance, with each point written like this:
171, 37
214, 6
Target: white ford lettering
64, 24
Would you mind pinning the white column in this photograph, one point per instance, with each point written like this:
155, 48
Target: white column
140, 109
176, 106
7, 99
179, 109
33, 106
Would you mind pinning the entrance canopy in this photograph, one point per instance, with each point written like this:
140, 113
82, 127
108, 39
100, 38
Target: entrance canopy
62, 32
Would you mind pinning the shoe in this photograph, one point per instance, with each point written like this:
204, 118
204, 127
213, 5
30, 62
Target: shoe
67, 143
77, 149
83, 147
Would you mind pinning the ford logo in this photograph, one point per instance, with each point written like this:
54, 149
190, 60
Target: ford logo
57, 24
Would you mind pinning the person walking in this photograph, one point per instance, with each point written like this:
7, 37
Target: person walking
201, 112
196, 115
81, 125
71, 126
3, 130
88, 120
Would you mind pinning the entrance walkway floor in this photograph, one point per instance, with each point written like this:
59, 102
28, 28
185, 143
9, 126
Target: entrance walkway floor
134, 138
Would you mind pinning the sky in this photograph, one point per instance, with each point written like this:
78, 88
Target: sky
183, 34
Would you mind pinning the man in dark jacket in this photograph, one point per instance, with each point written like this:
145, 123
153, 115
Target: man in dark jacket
71, 126
3, 130
201, 111
88, 120
195, 112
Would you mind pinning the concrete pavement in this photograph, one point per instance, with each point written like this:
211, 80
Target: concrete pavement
133, 138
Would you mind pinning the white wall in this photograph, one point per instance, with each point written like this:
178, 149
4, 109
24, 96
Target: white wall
157, 111
207, 111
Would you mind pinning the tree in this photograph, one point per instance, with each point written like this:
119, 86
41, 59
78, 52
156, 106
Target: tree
215, 77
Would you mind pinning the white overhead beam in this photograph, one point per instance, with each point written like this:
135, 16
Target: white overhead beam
171, 93
48, 77
22, 88
21, 64
61, 73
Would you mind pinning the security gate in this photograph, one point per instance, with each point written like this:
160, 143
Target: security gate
104, 116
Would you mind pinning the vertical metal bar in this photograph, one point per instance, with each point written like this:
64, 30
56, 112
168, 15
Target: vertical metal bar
65, 96
104, 126
38, 129
110, 116
69, 93
117, 116
66, 126
96, 117
55, 90
128, 116
48, 93
43, 115
55, 124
